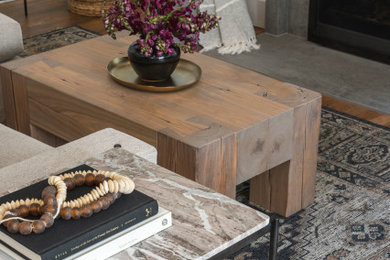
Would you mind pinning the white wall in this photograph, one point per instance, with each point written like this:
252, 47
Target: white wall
256, 10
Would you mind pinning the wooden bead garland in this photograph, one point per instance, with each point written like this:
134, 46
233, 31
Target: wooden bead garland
110, 185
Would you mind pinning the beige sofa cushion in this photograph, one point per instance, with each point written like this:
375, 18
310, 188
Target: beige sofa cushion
104, 140
11, 41
70, 155
16, 147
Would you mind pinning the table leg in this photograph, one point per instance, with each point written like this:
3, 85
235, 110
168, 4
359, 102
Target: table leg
289, 187
25, 8
311, 152
8, 98
274, 238
15, 101
21, 103
274, 190
213, 164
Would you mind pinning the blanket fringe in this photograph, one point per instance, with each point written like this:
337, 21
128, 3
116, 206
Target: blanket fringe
210, 47
240, 47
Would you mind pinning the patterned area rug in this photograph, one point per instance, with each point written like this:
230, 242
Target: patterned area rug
55, 39
350, 218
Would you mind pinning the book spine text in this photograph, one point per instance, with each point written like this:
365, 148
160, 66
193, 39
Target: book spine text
89, 238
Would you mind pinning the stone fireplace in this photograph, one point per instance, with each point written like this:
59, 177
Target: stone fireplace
287, 16
361, 27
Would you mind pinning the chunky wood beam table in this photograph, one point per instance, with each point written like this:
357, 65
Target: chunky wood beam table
232, 126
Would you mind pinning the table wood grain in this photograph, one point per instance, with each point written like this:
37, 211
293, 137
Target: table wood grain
233, 125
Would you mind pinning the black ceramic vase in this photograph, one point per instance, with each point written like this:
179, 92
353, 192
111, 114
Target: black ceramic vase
153, 68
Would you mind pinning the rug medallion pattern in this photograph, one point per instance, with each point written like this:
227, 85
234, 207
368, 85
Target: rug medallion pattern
350, 217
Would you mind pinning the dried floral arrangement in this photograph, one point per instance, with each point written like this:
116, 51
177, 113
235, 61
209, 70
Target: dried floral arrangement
160, 24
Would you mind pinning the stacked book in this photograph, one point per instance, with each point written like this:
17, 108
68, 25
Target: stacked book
132, 218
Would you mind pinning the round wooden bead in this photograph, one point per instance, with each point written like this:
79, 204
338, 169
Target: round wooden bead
35, 209
99, 179
89, 179
49, 209
13, 226
76, 213
7, 216
66, 213
50, 201
6, 222
25, 228
38, 226
70, 183
86, 211
23, 211
96, 206
110, 197
79, 179
15, 212
48, 219
49, 191
106, 202
117, 195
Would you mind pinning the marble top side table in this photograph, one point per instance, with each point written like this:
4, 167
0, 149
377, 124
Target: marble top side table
205, 223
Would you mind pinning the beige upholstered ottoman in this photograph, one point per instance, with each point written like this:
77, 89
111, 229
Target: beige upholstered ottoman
16, 147
103, 140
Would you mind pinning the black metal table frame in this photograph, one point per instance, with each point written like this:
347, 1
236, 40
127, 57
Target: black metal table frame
274, 234
25, 8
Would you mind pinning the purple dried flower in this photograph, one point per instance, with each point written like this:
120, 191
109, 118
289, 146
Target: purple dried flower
159, 22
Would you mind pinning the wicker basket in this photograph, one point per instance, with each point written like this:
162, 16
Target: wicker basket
89, 7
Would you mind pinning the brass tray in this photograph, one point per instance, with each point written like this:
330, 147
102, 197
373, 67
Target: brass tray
185, 75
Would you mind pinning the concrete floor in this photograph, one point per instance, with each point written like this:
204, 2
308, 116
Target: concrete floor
333, 73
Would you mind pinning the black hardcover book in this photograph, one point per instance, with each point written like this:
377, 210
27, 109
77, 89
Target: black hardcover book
67, 237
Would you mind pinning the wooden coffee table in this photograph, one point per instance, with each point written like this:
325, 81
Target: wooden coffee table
233, 125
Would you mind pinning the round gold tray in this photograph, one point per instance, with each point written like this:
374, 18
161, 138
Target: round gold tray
185, 75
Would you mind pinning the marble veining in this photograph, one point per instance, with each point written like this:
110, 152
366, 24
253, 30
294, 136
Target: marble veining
202, 213
204, 221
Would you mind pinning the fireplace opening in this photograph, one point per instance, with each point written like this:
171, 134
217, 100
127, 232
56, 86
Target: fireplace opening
360, 27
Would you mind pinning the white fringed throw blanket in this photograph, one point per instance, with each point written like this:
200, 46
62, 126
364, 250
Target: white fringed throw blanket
235, 33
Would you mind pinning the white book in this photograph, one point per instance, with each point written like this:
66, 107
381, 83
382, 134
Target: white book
8, 254
126, 238
115, 243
